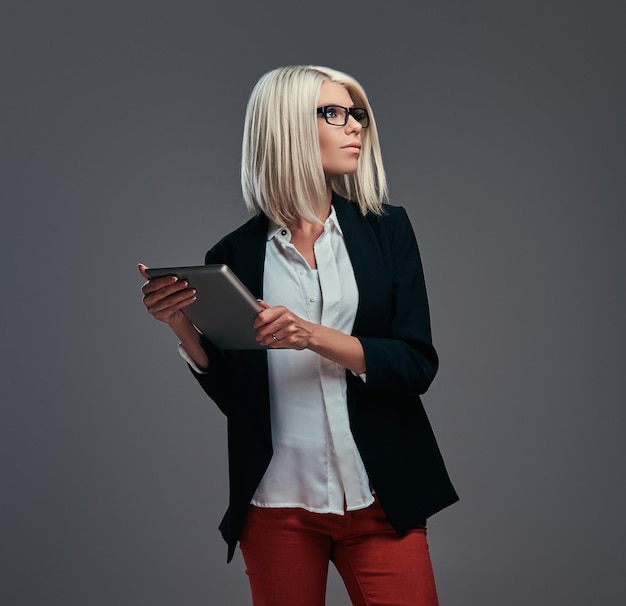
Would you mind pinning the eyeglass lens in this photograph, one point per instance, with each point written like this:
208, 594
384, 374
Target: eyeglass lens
338, 116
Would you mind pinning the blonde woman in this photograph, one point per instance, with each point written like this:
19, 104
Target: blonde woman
331, 456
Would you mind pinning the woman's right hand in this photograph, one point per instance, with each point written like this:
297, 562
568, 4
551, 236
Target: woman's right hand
166, 296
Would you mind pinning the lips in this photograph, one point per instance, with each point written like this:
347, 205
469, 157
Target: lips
355, 146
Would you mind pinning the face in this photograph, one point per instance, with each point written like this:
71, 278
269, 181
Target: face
340, 146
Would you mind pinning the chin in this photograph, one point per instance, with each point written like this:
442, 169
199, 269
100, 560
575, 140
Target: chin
348, 169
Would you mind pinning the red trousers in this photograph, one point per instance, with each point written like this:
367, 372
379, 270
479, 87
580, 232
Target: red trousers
287, 550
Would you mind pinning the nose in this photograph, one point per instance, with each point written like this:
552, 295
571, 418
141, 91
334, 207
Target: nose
353, 125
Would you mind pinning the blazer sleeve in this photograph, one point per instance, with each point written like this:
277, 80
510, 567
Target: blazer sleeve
218, 381
403, 360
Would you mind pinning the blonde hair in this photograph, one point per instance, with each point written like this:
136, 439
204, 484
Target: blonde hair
281, 167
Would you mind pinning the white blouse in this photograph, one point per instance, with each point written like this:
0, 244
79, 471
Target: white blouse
316, 464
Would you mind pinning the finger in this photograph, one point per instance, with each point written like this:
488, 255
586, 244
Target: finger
271, 341
167, 314
276, 333
172, 283
158, 304
268, 315
153, 283
166, 297
264, 334
143, 270
282, 340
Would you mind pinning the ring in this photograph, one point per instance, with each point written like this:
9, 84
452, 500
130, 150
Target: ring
274, 336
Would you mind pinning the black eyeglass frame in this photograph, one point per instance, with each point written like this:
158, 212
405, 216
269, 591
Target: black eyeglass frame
321, 111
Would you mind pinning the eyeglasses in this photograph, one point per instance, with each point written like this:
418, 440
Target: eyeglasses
336, 115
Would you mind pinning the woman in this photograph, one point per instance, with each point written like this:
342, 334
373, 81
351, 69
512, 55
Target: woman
331, 456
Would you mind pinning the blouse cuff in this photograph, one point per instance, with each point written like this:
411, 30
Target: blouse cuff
183, 352
362, 376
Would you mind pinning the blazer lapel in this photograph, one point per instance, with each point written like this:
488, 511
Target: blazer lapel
371, 274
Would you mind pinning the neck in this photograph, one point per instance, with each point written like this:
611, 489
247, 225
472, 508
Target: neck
322, 214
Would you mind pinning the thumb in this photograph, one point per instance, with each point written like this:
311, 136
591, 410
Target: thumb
263, 304
142, 270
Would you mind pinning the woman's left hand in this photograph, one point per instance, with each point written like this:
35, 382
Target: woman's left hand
279, 328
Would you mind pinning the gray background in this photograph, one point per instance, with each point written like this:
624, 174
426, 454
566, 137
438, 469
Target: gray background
503, 132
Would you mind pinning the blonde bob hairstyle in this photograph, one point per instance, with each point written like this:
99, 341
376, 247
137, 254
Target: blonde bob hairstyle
281, 166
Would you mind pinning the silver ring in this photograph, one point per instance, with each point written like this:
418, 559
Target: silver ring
274, 336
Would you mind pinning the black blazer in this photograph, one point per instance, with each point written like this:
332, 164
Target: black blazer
387, 418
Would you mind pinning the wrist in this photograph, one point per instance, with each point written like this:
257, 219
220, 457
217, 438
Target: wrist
313, 340
182, 327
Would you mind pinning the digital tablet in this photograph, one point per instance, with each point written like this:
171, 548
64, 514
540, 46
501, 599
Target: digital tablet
224, 308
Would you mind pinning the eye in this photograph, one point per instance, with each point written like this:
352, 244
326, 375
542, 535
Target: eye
330, 111
360, 114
